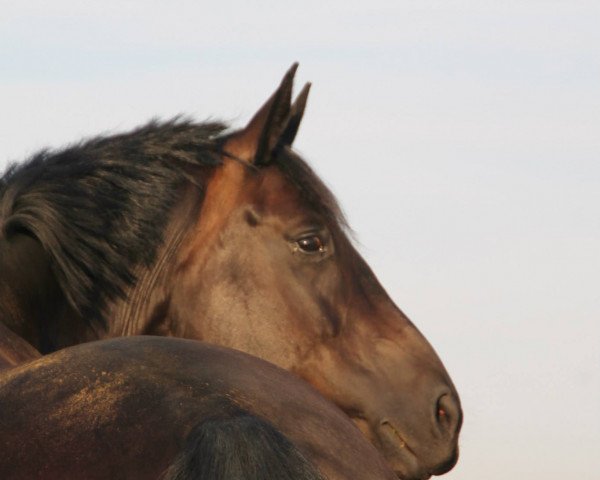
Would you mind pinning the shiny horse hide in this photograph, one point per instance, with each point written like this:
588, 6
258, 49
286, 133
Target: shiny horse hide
153, 407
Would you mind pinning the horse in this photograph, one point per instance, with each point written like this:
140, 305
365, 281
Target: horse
147, 407
14, 350
200, 231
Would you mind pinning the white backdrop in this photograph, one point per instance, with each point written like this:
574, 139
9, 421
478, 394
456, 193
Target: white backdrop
461, 137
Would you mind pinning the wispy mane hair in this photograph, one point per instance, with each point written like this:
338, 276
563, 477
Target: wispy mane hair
100, 207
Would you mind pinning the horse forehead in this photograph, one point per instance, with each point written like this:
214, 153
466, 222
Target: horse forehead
234, 183
276, 193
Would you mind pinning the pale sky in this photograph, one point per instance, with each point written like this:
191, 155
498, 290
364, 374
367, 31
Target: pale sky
461, 137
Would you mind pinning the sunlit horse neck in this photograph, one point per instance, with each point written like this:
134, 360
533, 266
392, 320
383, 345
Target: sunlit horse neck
188, 230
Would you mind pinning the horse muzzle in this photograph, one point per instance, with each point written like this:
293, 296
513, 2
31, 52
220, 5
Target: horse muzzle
414, 451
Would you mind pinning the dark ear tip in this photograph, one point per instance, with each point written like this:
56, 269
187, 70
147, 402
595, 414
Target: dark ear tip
289, 75
305, 90
300, 102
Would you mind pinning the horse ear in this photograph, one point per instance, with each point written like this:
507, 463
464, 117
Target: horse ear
295, 117
275, 124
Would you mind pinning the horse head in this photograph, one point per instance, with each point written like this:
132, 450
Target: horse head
269, 246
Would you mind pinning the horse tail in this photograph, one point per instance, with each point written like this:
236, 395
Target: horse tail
240, 447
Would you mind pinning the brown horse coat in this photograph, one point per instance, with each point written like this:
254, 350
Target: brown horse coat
13, 349
185, 229
123, 408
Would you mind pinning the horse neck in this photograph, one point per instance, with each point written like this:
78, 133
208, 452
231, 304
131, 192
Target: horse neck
145, 308
31, 299
14, 350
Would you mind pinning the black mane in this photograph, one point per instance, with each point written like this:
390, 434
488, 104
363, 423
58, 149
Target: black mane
100, 207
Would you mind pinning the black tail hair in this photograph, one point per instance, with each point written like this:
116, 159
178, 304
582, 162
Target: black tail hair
239, 447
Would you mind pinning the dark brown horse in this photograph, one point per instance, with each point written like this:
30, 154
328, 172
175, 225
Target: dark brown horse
185, 229
13, 349
130, 407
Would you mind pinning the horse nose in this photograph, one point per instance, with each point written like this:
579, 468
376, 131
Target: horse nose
448, 414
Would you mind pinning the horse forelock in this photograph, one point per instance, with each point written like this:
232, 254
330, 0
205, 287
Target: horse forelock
99, 207
311, 188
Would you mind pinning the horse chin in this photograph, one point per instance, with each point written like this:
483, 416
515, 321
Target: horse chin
397, 454
447, 465
406, 464
400, 455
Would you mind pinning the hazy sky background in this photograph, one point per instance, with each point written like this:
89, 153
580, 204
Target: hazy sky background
462, 139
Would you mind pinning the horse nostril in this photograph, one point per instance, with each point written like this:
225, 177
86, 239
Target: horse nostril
441, 414
447, 413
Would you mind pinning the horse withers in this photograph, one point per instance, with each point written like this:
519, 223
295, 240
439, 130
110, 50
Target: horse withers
192, 230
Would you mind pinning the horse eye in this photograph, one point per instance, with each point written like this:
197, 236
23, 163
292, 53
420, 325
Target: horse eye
311, 244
